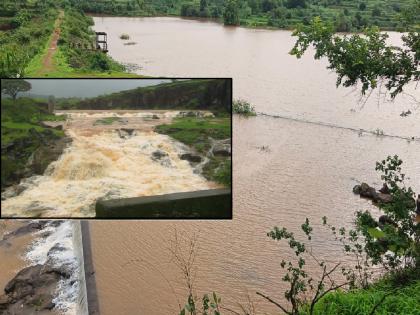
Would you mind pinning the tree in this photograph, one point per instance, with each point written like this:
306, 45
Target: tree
362, 6
366, 58
290, 4
231, 13
13, 87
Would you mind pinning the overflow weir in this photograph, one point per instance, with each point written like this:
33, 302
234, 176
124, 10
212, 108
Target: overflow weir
202, 204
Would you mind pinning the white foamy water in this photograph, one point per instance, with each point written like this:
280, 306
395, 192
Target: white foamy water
57, 250
102, 164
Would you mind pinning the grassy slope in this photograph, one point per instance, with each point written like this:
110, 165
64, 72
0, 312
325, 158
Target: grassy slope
195, 132
16, 122
61, 65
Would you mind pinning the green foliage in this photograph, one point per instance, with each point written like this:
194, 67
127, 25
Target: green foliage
209, 306
366, 59
77, 45
19, 120
13, 87
261, 13
394, 240
197, 133
231, 12
124, 36
244, 108
386, 296
31, 30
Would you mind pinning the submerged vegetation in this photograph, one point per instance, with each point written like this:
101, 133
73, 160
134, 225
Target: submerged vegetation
243, 108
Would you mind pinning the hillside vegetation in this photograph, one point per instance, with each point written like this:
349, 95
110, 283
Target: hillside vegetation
347, 15
197, 94
27, 28
22, 135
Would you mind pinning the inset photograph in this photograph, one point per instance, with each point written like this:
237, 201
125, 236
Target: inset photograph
116, 148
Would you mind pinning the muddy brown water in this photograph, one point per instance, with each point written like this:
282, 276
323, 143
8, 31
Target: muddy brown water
12, 251
283, 170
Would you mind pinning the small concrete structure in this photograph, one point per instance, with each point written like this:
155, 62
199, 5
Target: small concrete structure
202, 204
101, 41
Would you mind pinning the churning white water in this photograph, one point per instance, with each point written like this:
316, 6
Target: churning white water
103, 163
54, 246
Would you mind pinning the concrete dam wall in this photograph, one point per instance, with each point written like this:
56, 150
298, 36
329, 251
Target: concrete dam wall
202, 204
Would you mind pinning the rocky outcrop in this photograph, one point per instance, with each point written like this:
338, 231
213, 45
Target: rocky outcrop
31, 291
222, 148
30, 156
162, 157
365, 191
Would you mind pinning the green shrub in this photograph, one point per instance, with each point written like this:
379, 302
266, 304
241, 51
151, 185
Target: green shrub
244, 108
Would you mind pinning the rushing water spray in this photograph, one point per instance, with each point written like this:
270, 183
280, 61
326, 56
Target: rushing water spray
104, 164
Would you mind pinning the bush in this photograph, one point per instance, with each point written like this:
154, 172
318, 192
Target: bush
242, 107
124, 36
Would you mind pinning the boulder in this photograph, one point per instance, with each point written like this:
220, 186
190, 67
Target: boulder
384, 189
190, 157
367, 192
221, 149
357, 189
383, 198
30, 291
158, 155
124, 133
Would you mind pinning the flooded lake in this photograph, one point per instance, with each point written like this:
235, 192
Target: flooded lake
318, 148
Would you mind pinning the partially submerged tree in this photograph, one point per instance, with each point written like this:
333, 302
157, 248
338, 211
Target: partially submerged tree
13, 87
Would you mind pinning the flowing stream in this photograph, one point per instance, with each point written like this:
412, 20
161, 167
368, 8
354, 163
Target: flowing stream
284, 170
103, 162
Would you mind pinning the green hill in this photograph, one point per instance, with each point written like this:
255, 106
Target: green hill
197, 94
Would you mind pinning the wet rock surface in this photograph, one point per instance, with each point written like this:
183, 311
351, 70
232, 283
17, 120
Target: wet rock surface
193, 158
33, 289
47, 149
368, 192
30, 291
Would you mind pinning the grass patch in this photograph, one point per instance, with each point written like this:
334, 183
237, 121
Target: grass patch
107, 121
195, 132
402, 297
243, 108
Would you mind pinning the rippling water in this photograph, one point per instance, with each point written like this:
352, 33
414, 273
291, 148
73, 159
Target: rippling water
307, 170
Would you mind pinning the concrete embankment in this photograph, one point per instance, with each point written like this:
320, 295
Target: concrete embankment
92, 302
202, 204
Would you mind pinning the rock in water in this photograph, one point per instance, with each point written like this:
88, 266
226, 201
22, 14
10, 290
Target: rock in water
190, 157
158, 154
357, 189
